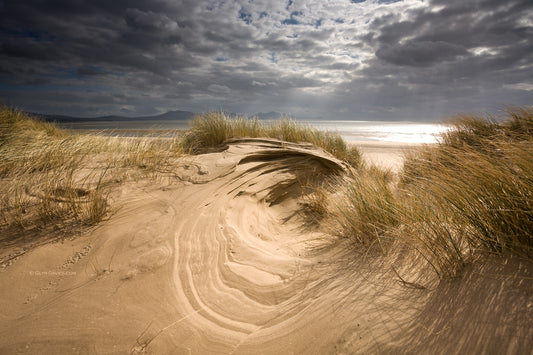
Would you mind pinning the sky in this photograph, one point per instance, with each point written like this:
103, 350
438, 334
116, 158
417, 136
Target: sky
330, 59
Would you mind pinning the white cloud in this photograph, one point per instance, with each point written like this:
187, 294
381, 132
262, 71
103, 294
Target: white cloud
258, 83
218, 89
519, 86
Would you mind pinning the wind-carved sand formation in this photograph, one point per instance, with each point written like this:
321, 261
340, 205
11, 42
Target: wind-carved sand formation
223, 260
242, 258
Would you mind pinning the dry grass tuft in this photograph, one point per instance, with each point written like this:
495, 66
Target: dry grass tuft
470, 193
474, 190
49, 176
365, 207
214, 128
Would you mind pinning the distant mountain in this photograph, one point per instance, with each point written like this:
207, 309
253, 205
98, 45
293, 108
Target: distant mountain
168, 116
174, 115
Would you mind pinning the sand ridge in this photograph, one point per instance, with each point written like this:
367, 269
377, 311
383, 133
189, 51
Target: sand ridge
220, 260
223, 250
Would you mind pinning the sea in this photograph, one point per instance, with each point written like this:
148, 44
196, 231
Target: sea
384, 131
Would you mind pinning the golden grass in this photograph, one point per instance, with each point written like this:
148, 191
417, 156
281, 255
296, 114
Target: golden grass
472, 193
214, 128
50, 176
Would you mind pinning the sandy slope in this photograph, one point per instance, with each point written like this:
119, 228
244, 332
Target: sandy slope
221, 260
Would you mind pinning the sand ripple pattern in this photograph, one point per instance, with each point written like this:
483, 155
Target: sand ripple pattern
223, 261
241, 253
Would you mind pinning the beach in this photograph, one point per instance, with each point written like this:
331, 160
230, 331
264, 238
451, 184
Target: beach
266, 177
385, 154
218, 257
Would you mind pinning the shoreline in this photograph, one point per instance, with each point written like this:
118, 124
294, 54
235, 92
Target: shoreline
385, 154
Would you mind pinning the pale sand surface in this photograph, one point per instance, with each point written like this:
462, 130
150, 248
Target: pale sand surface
217, 259
388, 155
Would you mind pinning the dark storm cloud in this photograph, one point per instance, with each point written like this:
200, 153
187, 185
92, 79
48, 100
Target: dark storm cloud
341, 58
149, 21
456, 28
90, 71
453, 50
29, 49
420, 53
93, 32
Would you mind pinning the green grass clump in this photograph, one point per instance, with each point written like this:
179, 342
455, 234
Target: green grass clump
214, 128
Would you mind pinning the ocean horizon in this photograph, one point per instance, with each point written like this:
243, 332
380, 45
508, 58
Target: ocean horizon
350, 130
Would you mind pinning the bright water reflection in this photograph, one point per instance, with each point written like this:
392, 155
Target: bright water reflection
409, 132
403, 131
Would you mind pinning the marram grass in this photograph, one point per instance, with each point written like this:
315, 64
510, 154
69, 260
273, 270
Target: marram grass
478, 184
469, 194
49, 176
214, 128
472, 193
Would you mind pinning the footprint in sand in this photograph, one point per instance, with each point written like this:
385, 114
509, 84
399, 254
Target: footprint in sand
152, 253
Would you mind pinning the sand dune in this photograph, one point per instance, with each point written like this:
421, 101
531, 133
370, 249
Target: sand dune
221, 259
